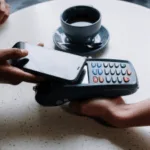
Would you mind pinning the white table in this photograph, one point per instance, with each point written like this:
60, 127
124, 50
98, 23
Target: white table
26, 125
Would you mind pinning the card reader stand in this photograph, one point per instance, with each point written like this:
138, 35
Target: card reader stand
100, 78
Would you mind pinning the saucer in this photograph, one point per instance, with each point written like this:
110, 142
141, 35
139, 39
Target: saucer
62, 43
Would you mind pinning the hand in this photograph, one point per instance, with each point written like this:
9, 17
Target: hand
105, 109
115, 112
13, 75
4, 11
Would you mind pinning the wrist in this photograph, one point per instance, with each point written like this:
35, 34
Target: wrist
130, 115
121, 116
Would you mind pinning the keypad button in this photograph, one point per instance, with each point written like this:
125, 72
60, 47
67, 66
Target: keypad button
108, 79
106, 71
119, 79
101, 79
129, 72
123, 65
118, 71
100, 71
114, 79
94, 71
123, 71
111, 65
99, 65
126, 79
116, 65
112, 71
105, 65
93, 65
95, 79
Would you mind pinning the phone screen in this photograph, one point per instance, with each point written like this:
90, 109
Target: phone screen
52, 62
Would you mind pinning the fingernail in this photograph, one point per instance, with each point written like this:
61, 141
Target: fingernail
25, 52
41, 44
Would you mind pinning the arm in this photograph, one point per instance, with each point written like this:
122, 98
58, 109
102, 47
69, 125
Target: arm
137, 114
115, 111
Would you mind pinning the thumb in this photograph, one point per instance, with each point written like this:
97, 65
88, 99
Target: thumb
12, 53
93, 107
96, 107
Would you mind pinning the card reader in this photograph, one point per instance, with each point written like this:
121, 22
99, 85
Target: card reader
100, 78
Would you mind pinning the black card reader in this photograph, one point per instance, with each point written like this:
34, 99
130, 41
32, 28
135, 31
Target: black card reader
100, 78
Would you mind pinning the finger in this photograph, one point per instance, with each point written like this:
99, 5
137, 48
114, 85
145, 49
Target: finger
96, 107
3, 19
6, 14
13, 53
8, 6
2, 9
41, 44
2, 6
24, 76
90, 108
14, 75
1, 16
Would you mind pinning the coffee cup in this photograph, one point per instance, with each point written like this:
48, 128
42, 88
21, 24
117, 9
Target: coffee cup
81, 23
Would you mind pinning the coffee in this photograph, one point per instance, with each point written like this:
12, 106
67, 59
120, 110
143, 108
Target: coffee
81, 20
81, 23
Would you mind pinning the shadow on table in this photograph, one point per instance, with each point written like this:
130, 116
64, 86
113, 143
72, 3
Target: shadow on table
55, 124
100, 53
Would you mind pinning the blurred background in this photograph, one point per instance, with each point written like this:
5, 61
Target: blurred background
19, 4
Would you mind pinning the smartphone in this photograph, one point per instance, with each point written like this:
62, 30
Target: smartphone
50, 63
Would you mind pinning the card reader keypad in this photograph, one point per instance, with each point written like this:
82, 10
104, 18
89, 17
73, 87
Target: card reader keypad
105, 72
